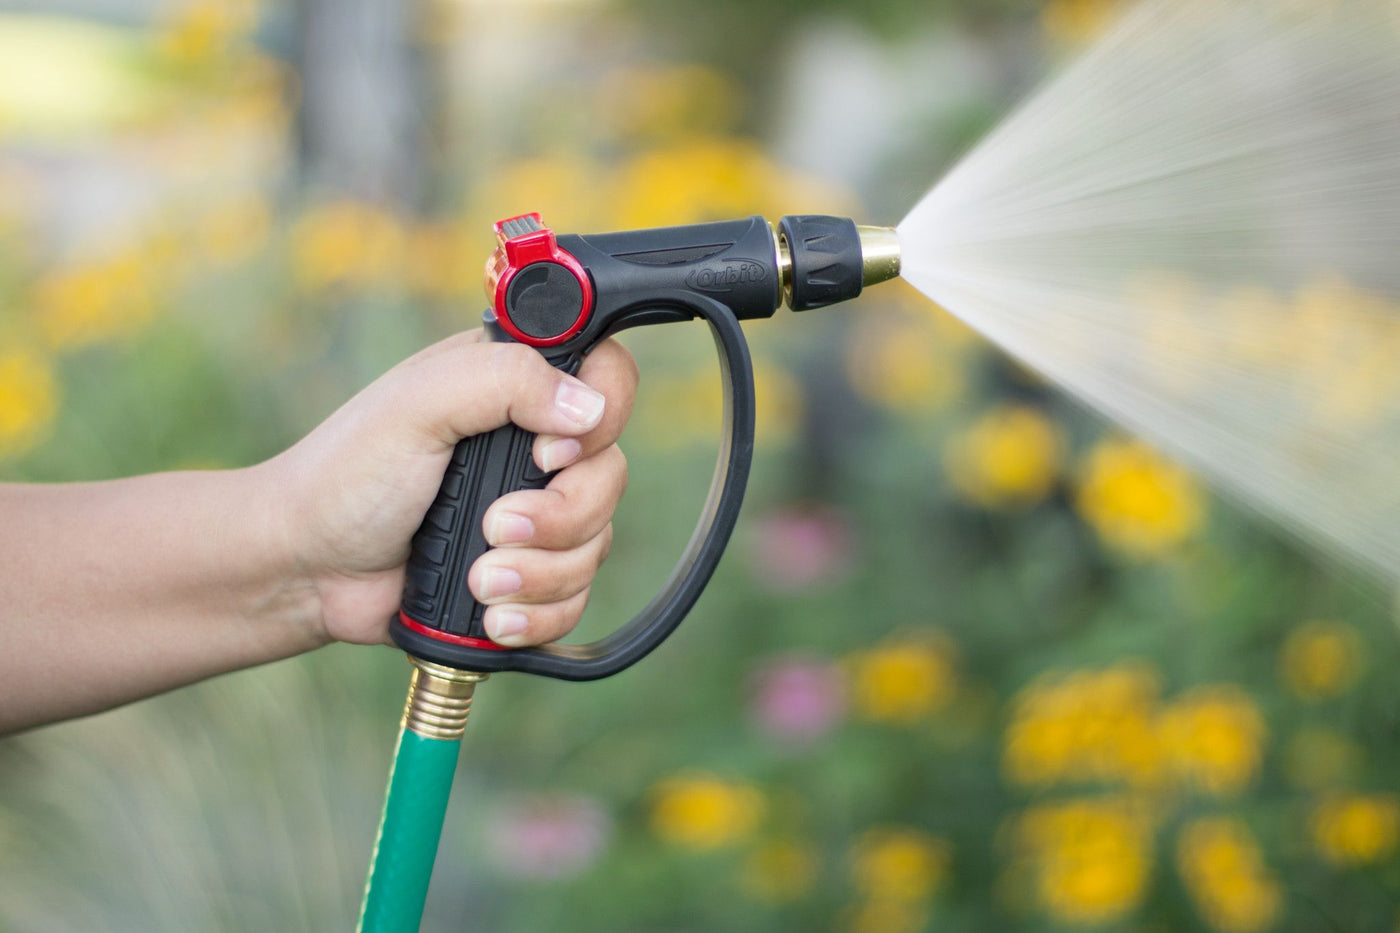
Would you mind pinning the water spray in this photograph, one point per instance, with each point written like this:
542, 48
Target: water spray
563, 295
1194, 228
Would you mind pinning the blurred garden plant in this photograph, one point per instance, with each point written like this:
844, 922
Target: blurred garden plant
974, 662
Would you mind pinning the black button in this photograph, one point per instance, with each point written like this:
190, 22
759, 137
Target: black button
544, 300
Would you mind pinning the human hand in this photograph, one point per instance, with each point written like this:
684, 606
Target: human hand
356, 488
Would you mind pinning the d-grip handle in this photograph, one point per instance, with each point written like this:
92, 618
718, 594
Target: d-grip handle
483, 468
440, 621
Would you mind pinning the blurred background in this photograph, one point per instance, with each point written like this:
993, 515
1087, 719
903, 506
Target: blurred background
974, 660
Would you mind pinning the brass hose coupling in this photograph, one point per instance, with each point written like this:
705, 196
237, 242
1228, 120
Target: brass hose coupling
439, 700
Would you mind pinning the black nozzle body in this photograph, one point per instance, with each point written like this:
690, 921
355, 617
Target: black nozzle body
826, 259
638, 277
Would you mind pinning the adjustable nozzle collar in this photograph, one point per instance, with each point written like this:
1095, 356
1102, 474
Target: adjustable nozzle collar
825, 260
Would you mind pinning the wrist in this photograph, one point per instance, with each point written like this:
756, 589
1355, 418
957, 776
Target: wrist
286, 595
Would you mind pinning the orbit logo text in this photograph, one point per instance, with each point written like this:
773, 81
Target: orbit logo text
727, 277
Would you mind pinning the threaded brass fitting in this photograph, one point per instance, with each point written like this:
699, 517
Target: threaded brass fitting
439, 700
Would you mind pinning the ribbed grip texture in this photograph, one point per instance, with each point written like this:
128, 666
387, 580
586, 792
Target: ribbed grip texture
826, 259
451, 538
409, 831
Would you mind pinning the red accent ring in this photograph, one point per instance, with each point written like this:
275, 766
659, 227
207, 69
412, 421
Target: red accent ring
414, 625
522, 251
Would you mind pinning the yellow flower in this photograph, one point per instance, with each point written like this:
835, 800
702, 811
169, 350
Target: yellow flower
112, 297
900, 361
780, 871
1075, 22
1009, 458
28, 400
702, 812
1090, 858
1085, 726
899, 864
693, 181
1356, 829
1107, 726
716, 178
563, 188
346, 243
1321, 659
669, 103
1138, 502
903, 681
1225, 873
201, 32
1213, 737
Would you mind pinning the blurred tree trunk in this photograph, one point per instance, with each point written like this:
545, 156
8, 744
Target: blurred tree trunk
363, 110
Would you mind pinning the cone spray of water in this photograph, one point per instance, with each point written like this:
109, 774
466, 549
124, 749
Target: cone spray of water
1196, 229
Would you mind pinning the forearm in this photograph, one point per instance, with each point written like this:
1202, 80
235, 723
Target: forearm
117, 590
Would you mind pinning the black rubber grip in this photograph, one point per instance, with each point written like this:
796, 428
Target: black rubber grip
451, 538
436, 631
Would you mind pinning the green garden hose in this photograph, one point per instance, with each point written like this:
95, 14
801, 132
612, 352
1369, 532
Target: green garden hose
435, 716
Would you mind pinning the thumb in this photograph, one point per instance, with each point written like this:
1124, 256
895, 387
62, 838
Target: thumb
465, 386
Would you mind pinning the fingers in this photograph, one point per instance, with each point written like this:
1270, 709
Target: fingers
463, 386
536, 595
576, 505
521, 626
610, 370
548, 544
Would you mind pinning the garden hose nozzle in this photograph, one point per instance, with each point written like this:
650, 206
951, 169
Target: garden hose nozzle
563, 295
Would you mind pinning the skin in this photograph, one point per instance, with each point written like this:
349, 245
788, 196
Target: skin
117, 590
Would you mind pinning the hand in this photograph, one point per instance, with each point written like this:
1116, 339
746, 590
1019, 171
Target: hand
358, 486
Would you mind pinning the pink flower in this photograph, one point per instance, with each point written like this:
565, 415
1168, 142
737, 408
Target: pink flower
549, 836
801, 546
798, 699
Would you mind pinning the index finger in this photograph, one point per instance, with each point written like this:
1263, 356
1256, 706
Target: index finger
611, 370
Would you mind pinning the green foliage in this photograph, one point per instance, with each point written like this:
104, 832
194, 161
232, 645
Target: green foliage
829, 742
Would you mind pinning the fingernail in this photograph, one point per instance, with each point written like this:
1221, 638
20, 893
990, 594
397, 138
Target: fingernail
558, 454
510, 528
579, 403
506, 626
499, 581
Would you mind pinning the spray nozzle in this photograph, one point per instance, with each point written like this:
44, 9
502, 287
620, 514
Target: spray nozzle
557, 290
823, 260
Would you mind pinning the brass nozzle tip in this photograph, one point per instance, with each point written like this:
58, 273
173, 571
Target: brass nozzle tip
879, 254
